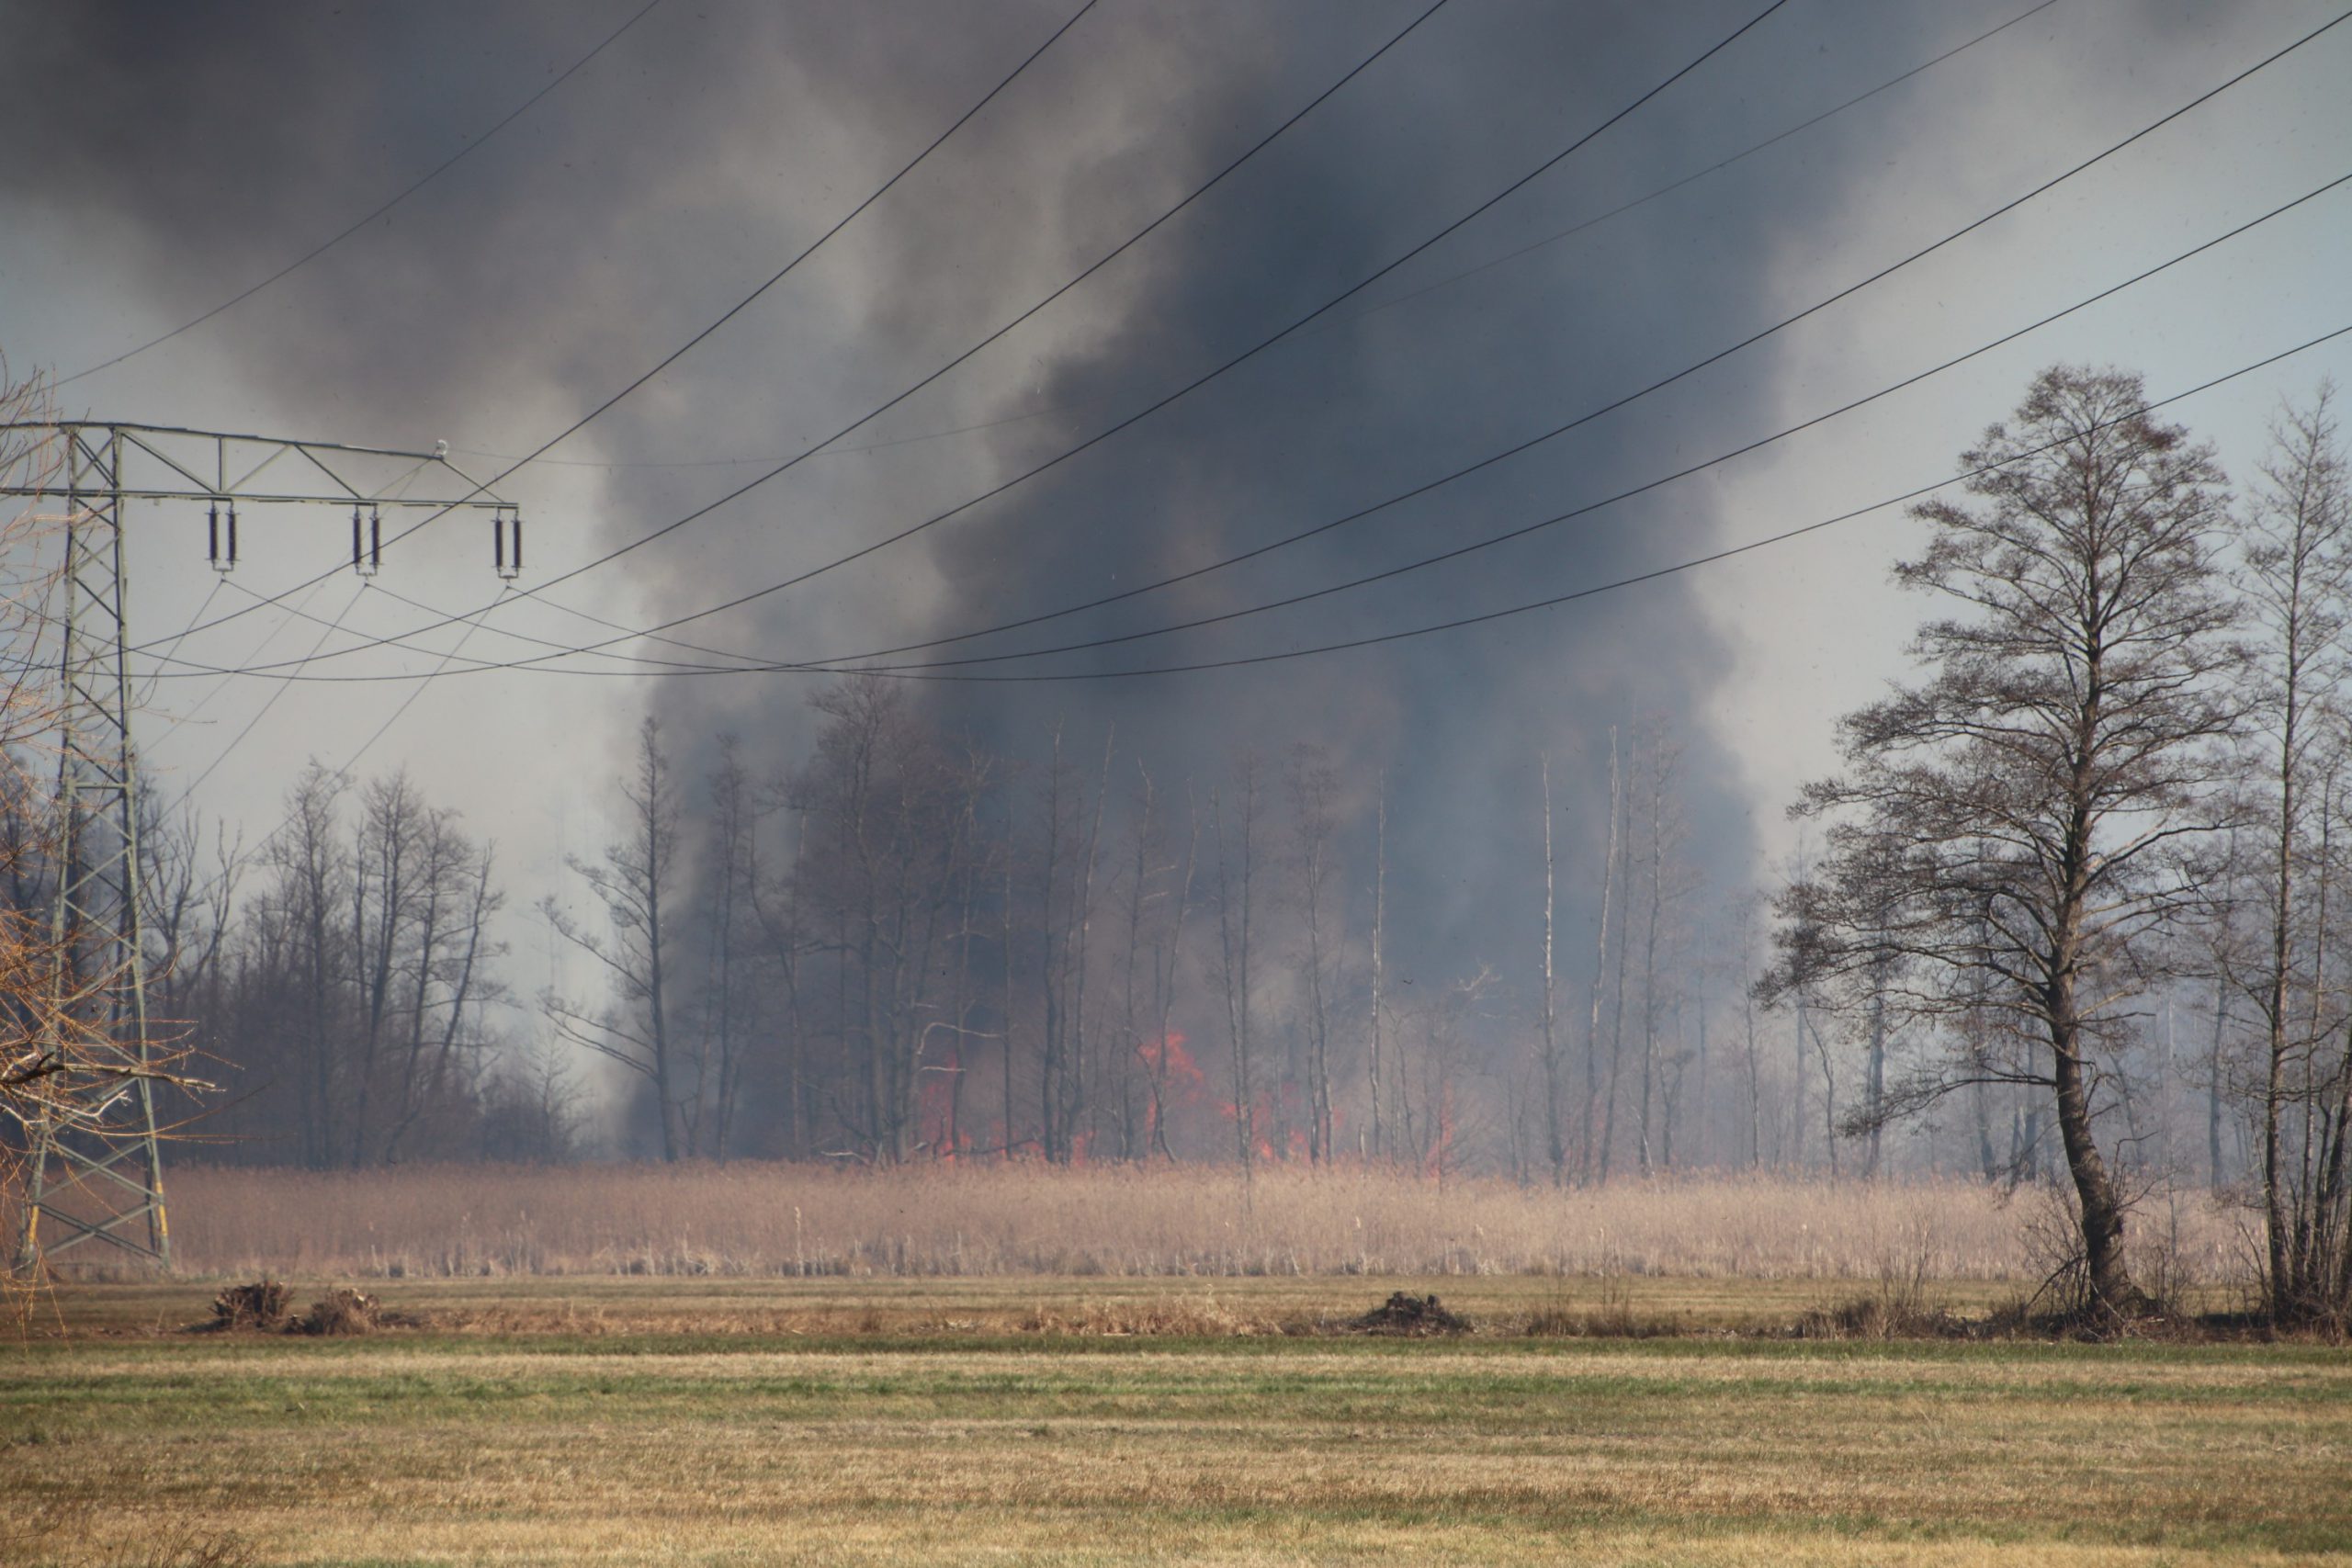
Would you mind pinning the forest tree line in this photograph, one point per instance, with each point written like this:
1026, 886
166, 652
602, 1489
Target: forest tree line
904, 946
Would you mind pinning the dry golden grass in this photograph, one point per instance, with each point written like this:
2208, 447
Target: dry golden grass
757, 1219
432, 1449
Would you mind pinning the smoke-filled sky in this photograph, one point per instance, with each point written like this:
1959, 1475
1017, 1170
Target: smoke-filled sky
164, 158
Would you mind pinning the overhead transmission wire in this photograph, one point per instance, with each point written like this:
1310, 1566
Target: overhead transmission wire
1391, 302
419, 184
398, 639
147, 694
406, 703
849, 665
1690, 564
833, 664
1775, 5
689, 345
1107, 433
1524, 530
263, 712
832, 448
341, 775
472, 619
176, 721
653, 665
2136, 136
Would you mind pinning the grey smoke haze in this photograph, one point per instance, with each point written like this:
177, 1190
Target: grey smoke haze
166, 157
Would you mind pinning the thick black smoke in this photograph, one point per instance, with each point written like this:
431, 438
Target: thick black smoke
715, 139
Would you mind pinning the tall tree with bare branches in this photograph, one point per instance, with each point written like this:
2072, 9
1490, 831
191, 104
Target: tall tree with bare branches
634, 883
2296, 544
2026, 815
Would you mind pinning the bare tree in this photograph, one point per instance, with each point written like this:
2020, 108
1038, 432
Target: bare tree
1236, 905
1666, 890
1622, 835
2026, 813
1381, 1121
312, 878
1556, 1147
2296, 549
1744, 943
1160, 897
728, 1010
778, 913
1314, 786
633, 882
1586, 1141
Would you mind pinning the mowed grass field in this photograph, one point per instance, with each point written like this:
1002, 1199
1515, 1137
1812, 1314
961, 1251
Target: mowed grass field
1085, 1421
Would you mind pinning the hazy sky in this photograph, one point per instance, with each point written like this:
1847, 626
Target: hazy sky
165, 160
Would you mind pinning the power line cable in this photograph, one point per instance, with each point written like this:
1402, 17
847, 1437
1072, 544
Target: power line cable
428, 177
263, 712
406, 703
173, 722
1581, 226
1145, 412
683, 349
845, 667
832, 450
1555, 601
1482, 463
1523, 531
1749, 547
654, 665
1582, 418
1688, 370
300, 612
147, 694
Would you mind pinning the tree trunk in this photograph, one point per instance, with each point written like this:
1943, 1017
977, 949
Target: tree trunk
1555, 1144
1600, 972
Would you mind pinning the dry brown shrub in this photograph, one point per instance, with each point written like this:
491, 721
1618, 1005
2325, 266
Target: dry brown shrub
340, 1311
1880, 1314
261, 1306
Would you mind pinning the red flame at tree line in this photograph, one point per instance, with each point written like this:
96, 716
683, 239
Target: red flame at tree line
1167, 1062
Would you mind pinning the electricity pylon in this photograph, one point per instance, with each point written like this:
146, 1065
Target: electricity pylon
95, 1167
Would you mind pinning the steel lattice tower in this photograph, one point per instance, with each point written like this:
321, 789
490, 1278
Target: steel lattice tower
97, 1175
113, 1169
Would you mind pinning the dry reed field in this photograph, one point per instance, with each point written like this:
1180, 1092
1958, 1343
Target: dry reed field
774, 1220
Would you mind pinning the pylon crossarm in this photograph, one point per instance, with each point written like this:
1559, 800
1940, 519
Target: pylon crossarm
165, 459
179, 464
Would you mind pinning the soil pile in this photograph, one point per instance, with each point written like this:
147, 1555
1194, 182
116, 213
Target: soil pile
260, 1307
1404, 1312
266, 1306
340, 1311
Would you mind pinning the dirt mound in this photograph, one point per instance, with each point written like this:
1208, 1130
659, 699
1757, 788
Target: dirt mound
340, 1311
258, 1307
1404, 1312
266, 1306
